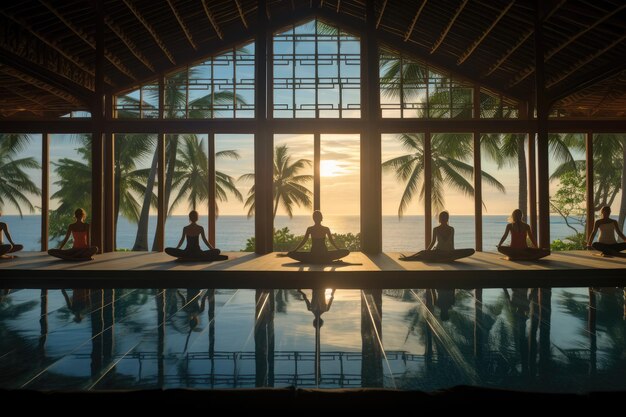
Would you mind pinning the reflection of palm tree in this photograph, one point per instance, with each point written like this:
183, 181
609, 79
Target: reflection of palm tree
192, 172
449, 167
16, 184
288, 186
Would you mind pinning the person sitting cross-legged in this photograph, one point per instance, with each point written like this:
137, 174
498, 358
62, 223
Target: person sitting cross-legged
608, 227
441, 248
81, 249
519, 249
319, 252
6, 249
192, 252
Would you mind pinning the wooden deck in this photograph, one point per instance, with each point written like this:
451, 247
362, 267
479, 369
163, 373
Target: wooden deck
249, 270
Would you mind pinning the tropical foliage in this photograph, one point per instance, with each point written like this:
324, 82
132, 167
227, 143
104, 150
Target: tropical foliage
16, 186
284, 241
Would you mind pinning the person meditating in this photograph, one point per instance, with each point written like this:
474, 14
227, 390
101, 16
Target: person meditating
81, 249
319, 253
11, 247
319, 304
607, 244
441, 248
192, 251
519, 250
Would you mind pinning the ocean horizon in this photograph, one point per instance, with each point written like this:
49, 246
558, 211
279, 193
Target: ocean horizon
232, 231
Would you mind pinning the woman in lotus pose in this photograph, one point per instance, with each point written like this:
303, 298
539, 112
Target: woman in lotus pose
443, 238
607, 244
319, 304
192, 252
319, 253
519, 250
11, 247
81, 249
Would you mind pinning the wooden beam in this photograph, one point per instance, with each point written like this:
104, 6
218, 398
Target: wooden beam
428, 188
482, 37
129, 43
532, 183
109, 197
43, 79
409, 32
573, 38
212, 184
589, 200
150, 30
209, 15
478, 180
338, 5
510, 51
583, 81
97, 148
52, 45
161, 158
443, 35
317, 155
241, 14
380, 15
89, 40
45, 189
557, 79
182, 24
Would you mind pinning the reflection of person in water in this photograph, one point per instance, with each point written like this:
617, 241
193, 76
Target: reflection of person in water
80, 301
318, 304
445, 300
607, 244
519, 250
193, 232
193, 305
319, 253
81, 249
9, 248
441, 248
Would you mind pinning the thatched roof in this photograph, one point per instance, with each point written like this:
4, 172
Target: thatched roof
48, 55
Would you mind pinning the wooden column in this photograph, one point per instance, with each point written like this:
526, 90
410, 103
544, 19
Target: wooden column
428, 186
45, 189
590, 193
371, 176
97, 114
527, 113
478, 180
542, 132
161, 146
212, 199
263, 138
317, 154
109, 224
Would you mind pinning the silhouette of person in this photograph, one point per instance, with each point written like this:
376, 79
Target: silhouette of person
11, 247
80, 232
607, 244
518, 249
192, 252
319, 253
193, 305
81, 299
318, 304
441, 248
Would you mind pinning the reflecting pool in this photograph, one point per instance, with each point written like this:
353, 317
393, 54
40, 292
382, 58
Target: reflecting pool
561, 339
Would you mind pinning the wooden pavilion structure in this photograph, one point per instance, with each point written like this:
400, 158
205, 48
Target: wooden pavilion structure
561, 60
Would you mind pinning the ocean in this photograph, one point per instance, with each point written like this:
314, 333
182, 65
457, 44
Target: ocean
399, 235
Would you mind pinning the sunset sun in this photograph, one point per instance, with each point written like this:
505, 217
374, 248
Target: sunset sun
329, 168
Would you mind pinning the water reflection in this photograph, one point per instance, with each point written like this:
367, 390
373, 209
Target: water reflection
565, 339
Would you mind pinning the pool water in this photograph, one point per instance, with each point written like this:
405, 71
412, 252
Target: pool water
559, 340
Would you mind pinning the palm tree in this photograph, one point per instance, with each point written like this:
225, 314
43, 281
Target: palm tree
449, 168
15, 184
288, 186
192, 173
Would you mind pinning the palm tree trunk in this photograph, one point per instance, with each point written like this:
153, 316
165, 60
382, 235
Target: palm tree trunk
169, 177
277, 198
622, 207
523, 179
116, 193
141, 240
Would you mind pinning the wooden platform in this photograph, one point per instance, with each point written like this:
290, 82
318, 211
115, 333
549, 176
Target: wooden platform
249, 270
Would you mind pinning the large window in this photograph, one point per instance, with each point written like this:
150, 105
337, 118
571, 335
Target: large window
317, 72
609, 174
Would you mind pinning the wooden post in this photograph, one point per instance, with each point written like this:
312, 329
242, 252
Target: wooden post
263, 139
428, 186
542, 132
109, 180
97, 114
161, 157
371, 170
527, 112
212, 199
45, 189
590, 192
478, 180
317, 153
